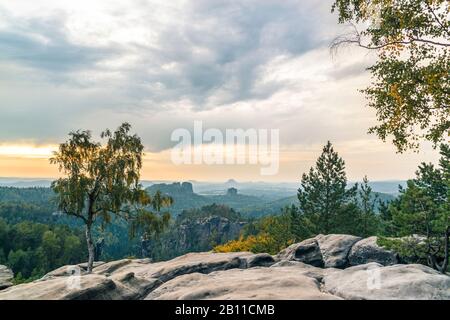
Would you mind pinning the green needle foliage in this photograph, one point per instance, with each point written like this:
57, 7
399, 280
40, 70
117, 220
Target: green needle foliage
423, 210
323, 194
411, 80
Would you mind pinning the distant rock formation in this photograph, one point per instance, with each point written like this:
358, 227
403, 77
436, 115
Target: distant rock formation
292, 274
231, 192
187, 187
176, 187
197, 234
338, 251
206, 230
6, 276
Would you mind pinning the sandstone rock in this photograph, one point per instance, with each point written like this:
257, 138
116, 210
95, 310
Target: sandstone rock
307, 251
64, 271
61, 288
203, 262
108, 268
125, 279
367, 250
306, 269
70, 270
6, 276
335, 249
330, 251
84, 265
132, 287
375, 282
244, 275
255, 283
259, 260
85, 287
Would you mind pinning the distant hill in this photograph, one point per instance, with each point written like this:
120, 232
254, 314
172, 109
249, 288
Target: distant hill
274, 207
25, 182
249, 205
185, 198
278, 190
390, 187
267, 190
30, 195
250, 202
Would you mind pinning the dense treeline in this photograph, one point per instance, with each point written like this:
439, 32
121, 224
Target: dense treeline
196, 230
214, 209
34, 239
33, 249
326, 204
28, 213
419, 217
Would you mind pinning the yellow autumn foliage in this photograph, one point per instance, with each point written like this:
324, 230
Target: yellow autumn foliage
257, 244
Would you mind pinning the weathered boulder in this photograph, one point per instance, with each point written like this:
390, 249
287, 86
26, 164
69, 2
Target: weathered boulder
305, 269
330, 251
367, 250
61, 288
307, 251
255, 283
244, 275
376, 282
126, 279
6, 276
259, 260
110, 267
335, 249
202, 262
70, 270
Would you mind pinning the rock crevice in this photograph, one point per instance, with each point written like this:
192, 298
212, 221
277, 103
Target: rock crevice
323, 267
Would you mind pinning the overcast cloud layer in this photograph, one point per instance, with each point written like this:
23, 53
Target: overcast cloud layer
160, 65
92, 64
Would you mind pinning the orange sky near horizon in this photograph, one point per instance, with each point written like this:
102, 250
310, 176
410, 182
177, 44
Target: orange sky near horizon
263, 65
375, 159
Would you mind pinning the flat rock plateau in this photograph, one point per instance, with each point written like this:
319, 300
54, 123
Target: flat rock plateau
334, 266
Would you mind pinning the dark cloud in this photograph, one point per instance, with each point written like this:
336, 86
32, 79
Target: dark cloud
218, 47
215, 47
44, 45
204, 55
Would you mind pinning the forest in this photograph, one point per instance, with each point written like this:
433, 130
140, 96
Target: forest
98, 208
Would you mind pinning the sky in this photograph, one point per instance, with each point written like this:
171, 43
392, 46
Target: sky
161, 65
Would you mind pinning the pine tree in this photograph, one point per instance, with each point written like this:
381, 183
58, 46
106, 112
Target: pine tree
323, 192
368, 220
423, 209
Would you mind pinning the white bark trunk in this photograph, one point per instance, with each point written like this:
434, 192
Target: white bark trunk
91, 249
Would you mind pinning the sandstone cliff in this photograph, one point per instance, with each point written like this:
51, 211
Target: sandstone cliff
324, 267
